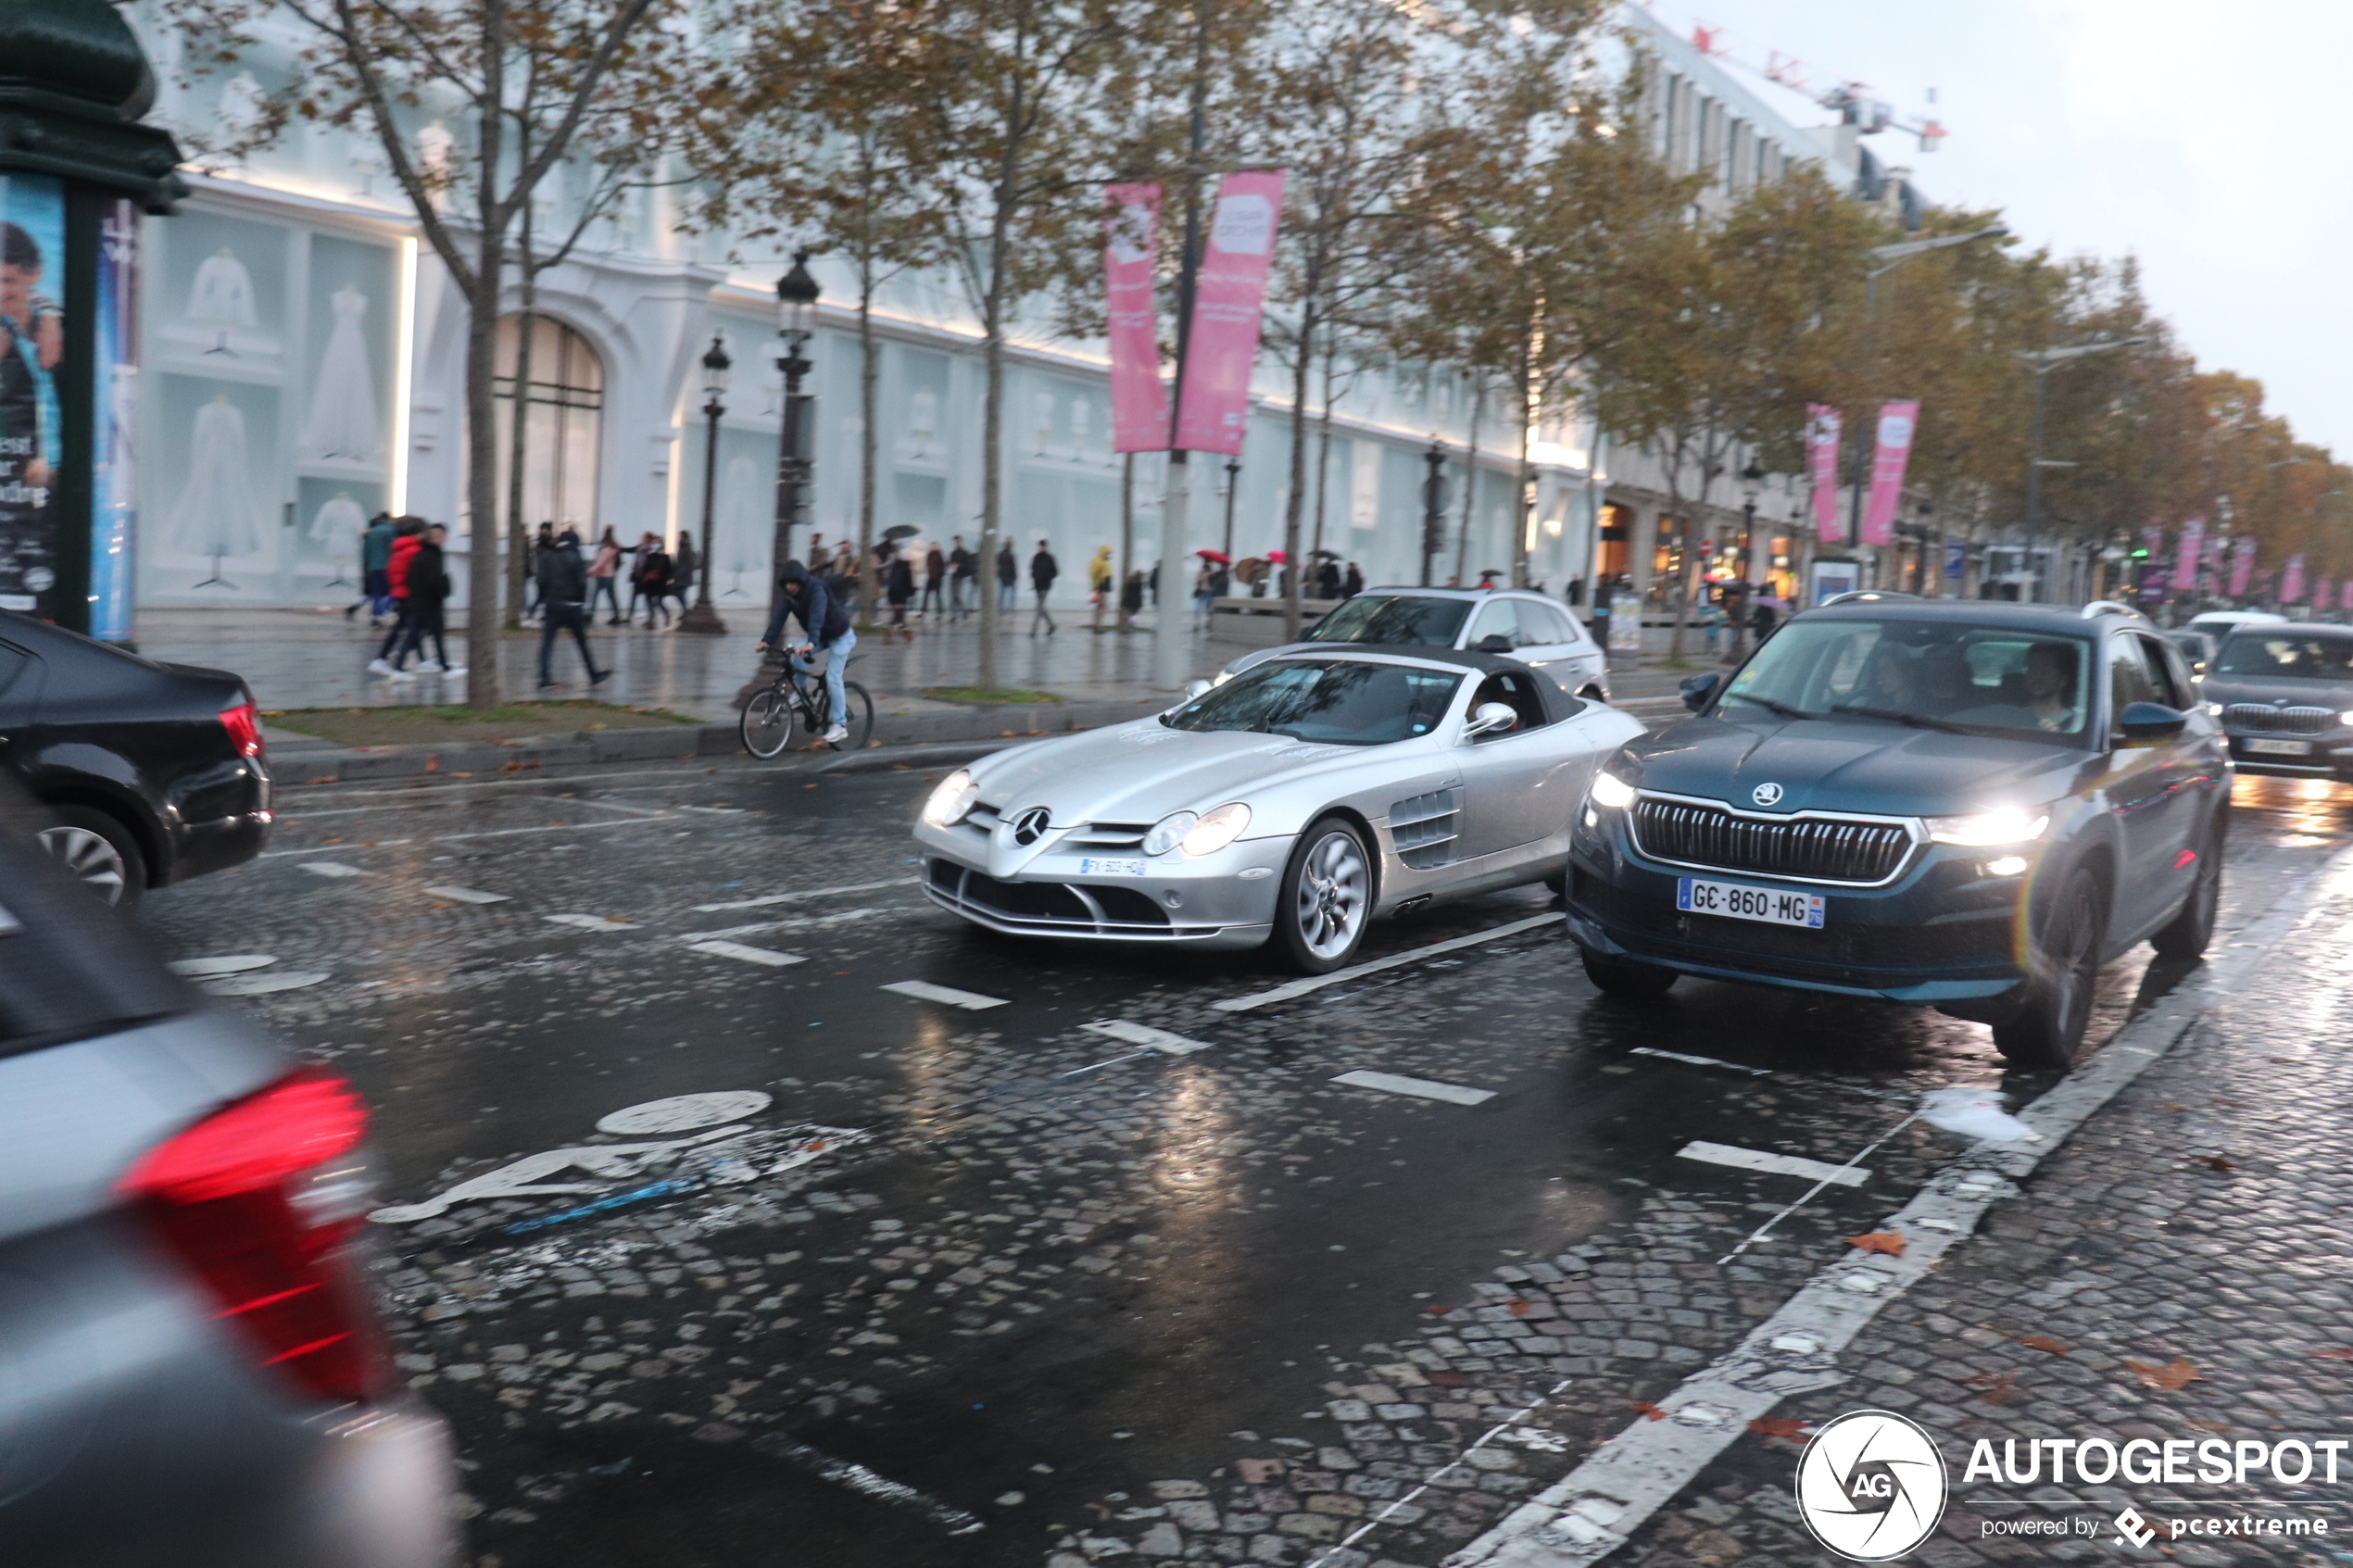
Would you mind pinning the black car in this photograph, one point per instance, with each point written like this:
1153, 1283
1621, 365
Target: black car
152, 773
1968, 805
2284, 696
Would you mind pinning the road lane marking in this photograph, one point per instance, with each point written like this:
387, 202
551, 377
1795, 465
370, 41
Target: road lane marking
593, 923
465, 894
1302, 987
323, 848
263, 985
1701, 1061
226, 964
1420, 1088
331, 868
766, 899
858, 1478
923, 990
1145, 1035
768, 956
839, 917
1845, 1175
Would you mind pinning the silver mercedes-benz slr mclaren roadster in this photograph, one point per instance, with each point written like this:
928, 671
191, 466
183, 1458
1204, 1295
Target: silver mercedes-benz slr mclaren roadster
1292, 804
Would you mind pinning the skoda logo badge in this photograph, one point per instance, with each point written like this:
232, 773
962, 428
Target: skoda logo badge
1870, 1486
1766, 794
1030, 826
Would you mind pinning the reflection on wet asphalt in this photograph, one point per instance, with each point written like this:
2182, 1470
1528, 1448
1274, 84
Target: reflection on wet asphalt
987, 1285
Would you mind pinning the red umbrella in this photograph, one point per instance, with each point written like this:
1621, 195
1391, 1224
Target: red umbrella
1277, 558
1220, 556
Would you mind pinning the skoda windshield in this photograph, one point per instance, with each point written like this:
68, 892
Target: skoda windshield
1927, 674
1394, 620
2295, 657
1330, 702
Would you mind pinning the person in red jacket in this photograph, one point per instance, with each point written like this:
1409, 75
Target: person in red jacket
406, 534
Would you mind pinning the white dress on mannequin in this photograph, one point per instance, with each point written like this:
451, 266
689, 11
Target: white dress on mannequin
341, 419
216, 514
223, 292
338, 524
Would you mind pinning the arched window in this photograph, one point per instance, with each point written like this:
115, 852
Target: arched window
565, 401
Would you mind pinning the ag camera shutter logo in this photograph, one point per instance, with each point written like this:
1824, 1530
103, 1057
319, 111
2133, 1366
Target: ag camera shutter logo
1871, 1486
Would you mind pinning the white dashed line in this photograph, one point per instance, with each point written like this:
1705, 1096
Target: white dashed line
1145, 1035
331, 868
1772, 1165
1701, 1061
1302, 987
923, 990
768, 956
1420, 1088
466, 895
766, 899
837, 917
262, 984
228, 963
593, 923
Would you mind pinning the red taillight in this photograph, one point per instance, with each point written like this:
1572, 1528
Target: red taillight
261, 1200
243, 724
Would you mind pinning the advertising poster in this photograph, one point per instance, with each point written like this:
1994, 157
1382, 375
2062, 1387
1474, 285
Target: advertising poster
2192, 550
33, 307
114, 517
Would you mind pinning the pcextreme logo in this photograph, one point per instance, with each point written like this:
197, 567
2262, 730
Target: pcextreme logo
1870, 1486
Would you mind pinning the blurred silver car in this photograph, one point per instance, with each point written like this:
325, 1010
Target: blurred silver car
1293, 803
191, 1371
1541, 633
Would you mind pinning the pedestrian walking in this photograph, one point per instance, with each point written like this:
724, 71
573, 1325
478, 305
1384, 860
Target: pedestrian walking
601, 572
407, 532
1008, 576
1605, 592
935, 574
684, 565
959, 577
427, 578
564, 605
375, 555
1354, 584
1100, 578
1204, 597
1131, 599
541, 543
899, 587
653, 580
1711, 621
1043, 570
845, 561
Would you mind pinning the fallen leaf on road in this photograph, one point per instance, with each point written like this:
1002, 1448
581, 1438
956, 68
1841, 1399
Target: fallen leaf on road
2215, 1162
2210, 1425
1783, 1427
1889, 1242
1448, 1379
1995, 1388
1519, 1309
2169, 1104
2335, 1353
1646, 1409
2175, 1374
2044, 1342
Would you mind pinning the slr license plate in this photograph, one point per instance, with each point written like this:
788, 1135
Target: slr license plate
1730, 899
1087, 866
2280, 747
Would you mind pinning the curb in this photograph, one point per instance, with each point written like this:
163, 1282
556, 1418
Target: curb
920, 732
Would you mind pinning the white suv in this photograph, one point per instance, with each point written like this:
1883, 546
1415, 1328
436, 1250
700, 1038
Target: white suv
1539, 632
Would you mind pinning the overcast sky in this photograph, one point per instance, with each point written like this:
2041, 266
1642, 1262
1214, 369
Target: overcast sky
2208, 139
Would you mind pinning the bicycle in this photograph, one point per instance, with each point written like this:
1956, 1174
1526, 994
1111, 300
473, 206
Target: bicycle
768, 718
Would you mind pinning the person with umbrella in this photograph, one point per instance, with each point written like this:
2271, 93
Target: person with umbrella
1327, 575
1205, 587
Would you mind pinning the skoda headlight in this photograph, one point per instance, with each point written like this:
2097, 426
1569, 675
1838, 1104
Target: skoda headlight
1169, 831
1216, 830
1984, 830
2345, 718
951, 800
1612, 791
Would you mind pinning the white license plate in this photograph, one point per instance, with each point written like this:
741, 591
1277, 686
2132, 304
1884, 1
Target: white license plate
2281, 747
1730, 899
1087, 866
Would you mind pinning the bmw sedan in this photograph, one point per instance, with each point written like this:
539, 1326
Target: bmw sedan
152, 773
1293, 804
1968, 805
1527, 626
2284, 696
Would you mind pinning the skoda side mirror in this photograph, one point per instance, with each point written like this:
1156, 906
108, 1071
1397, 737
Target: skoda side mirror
1697, 689
2151, 721
1495, 642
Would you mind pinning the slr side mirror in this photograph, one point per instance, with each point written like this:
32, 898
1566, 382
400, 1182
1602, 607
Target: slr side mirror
1489, 718
1194, 689
1697, 689
2151, 721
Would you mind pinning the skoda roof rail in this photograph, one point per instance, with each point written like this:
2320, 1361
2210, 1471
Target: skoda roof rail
2110, 607
1864, 596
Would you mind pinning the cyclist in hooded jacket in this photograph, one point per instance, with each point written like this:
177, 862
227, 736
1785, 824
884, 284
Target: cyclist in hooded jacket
826, 622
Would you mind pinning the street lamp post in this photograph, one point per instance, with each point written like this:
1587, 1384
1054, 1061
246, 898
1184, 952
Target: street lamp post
703, 618
2042, 362
1433, 506
1233, 482
1752, 482
797, 321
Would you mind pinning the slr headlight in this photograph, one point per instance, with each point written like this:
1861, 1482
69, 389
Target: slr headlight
2345, 718
1216, 830
1612, 791
1984, 830
951, 800
1169, 831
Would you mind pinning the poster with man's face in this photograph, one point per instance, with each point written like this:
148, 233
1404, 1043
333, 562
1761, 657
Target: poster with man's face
33, 306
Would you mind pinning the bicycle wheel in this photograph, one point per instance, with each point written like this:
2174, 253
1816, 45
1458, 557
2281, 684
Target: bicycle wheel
861, 718
767, 722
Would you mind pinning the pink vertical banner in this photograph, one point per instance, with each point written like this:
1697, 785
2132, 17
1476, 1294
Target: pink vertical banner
1213, 409
2322, 594
1822, 427
2292, 583
2242, 566
1139, 402
2192, 542
2345, 594
1892, 452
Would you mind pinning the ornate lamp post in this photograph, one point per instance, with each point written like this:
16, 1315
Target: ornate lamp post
1434, 506
1233, 484
702, 617
797, 321
1751, 482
